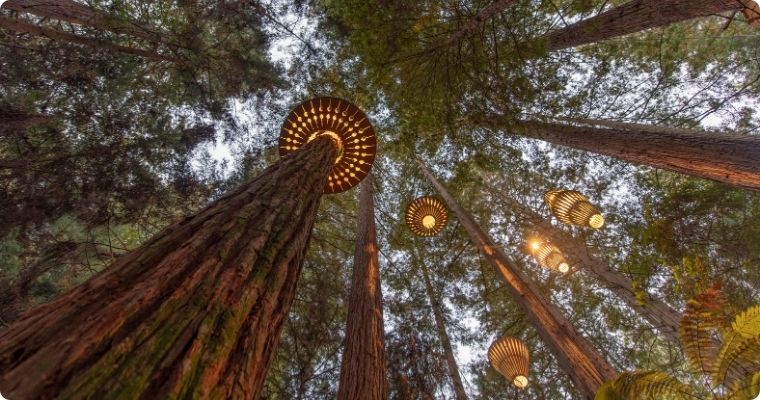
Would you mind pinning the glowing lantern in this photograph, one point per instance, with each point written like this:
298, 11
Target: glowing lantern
343, 122
510, 357
549, 256
426, 216
572, 207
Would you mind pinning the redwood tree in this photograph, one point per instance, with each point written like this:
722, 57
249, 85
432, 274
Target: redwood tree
585, 366
662, 317
362, 373
635, 16
443, 335
195, 312
728, 158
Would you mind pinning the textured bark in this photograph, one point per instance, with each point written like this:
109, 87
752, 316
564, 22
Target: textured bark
81, 14
362, 372
65, 37
727, 158
656, 312
752, 13
443, 336
196, 312
635, 16
574, 353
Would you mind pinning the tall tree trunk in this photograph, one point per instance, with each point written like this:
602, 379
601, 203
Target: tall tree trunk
362, 373
635, 16
195, 312
656, 312
727, 158
443, 336
81, 14
53, 34
575, 354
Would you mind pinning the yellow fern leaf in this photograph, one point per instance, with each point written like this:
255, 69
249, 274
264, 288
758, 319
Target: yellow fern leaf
746, 389
644, 385
747, 323
738, 357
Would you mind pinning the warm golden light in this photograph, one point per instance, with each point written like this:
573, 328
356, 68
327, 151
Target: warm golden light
572, 207
548, 255
510, 356
346, 125
426, 216
596, 221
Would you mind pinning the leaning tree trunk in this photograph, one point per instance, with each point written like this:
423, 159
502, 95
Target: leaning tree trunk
727, 158
65, 37
362, 373
656, 312
575, 354
635, 16
195, 312
440, 325
82, 14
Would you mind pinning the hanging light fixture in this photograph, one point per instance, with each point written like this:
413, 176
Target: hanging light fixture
572, 207
548, 255
509, 355
426, 216
346, 124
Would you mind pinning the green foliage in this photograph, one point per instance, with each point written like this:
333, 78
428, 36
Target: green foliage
731, 363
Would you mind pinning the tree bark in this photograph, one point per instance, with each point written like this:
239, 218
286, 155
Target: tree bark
635, 16
81, 14
659, 314
726, 158
195, 312
65, 37
574, 353
443, 336
362, 372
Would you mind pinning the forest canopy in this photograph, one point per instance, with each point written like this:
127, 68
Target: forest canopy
149, 211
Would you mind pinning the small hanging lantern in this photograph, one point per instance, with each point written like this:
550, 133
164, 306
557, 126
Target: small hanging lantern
343, 122
572, 207
549, 256
426, 216
510, 356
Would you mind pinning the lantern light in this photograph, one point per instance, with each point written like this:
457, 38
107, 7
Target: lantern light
426, 216
549, 255
510, 356
572, 207
346, 125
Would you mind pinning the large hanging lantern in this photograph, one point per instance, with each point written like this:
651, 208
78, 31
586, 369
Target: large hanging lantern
549, 256
509, 355
426, 216
343, 122
572, 207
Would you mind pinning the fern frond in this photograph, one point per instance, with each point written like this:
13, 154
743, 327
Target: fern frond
745, 389
747, 323
738, 357
700, 322
644, 385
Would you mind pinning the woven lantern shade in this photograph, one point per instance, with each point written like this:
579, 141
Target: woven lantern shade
343, 122
510, 357
572, 207
549, 256
426, 216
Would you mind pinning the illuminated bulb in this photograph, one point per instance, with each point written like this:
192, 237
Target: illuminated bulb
563, 267
535, 244
520, 381
596, 221
428, 221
